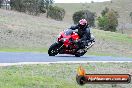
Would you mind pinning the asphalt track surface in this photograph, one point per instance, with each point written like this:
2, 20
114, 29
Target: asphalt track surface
8, 57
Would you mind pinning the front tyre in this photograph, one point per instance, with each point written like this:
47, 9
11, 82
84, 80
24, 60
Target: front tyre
53, 50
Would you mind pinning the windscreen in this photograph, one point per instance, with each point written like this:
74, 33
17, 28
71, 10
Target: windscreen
68, 32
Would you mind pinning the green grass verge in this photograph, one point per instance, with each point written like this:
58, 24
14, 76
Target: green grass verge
45, 50
57, 75
23, 50
112, 36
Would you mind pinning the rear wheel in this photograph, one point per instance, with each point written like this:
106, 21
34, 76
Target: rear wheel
54, 49
80, 53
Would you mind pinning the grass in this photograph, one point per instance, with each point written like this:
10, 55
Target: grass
23, 50
112, 36
58, 75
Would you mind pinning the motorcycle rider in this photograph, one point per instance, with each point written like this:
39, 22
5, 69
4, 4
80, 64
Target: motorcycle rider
83, 32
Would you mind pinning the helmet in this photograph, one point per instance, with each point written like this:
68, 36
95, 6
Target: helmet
83, 22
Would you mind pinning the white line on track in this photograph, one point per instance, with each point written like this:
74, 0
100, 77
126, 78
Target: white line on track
61, 62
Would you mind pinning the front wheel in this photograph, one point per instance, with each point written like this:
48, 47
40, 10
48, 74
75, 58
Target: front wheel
54, 49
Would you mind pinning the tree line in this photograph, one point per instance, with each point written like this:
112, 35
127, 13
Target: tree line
108, 21
36, 7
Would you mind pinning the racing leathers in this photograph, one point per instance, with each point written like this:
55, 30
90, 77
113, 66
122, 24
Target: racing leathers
84, 34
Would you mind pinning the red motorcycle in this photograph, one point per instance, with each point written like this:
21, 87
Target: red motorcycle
65, 44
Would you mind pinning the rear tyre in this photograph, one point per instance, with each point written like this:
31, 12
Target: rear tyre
78, 54
53, 50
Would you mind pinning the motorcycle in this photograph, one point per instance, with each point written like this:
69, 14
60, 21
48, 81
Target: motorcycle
65, 44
